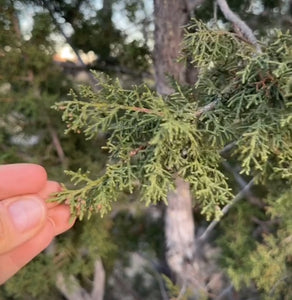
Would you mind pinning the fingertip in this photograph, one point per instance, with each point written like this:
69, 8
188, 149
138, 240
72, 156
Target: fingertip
48, 191
19, 179
61, 218
21, 218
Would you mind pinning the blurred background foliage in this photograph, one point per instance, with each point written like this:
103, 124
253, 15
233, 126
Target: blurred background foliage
115, 37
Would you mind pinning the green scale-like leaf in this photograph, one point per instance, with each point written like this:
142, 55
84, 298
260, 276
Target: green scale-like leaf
241, 97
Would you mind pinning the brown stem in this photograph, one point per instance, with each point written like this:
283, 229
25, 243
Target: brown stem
206, 108
146, 111
241, 25
57, 144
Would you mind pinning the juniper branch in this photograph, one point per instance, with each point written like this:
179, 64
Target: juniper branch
235, 19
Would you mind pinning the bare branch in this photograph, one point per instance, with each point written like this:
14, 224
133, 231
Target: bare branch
156, 273
182, 292
227, 148
215, 13
57, 144
225, 292
206, 108
73, 291
47, 5
225, 210
242, 183
241, 25
98, 281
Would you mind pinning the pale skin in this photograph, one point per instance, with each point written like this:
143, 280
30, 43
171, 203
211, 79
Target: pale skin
28, 223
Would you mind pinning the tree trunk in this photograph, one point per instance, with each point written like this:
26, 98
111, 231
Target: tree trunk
185, 255
170, 17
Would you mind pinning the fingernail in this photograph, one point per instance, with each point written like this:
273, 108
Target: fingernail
26, 213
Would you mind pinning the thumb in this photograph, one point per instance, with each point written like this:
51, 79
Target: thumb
20, 219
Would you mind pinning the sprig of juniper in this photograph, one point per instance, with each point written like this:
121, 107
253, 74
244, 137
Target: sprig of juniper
241, 95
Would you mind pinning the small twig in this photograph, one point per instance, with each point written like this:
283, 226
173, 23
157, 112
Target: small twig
227, 148
197, 114
104, 68
225, 209
73, 290
57, 144
215, 13
143, 110
98, 284
182, 291
156, 274
272, 291
206, 108
93, 80
226, 291
137, 150
242, 183
235, 19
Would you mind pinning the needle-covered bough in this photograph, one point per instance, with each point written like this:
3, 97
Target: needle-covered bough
243, 96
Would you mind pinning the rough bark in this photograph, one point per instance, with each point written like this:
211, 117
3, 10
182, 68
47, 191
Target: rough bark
185, 254
170, 18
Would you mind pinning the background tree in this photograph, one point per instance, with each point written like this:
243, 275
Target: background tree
32, 132
170, 19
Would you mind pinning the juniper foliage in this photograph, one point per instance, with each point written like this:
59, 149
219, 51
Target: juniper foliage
241, 97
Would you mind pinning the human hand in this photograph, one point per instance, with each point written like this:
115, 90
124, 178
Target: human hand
27, 223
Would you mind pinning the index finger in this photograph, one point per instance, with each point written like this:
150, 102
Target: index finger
21, 179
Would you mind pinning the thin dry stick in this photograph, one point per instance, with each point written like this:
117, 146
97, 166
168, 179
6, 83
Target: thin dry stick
225, 209
98, 281
242, 26
57, 143
72, 290
242, 183
206, 108
156, 274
